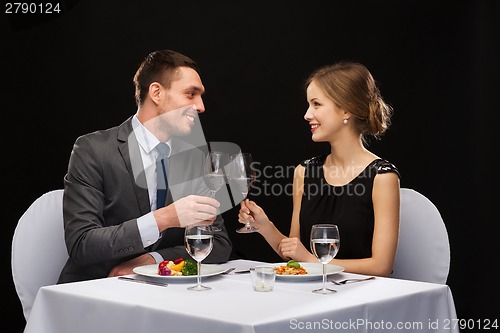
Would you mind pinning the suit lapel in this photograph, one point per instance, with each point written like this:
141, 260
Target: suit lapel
129, 150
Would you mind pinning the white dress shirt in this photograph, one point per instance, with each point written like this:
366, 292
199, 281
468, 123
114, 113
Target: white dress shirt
148, 228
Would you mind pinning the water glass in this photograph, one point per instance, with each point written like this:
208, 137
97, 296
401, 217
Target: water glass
263, 278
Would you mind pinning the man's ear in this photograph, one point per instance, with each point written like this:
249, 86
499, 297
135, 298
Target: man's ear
155, 92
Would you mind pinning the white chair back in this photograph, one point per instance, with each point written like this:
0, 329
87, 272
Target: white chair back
38, 248
423, 252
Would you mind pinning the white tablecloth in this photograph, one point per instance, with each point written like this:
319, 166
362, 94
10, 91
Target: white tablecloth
112, 305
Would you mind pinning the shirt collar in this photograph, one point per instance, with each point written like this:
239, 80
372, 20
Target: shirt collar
147, 141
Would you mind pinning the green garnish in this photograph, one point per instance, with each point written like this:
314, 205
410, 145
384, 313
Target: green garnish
293, 263
190, 268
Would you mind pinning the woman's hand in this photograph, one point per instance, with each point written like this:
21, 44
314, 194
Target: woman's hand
292, 248
250, 211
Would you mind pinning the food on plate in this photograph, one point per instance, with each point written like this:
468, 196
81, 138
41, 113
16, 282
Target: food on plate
190, 268
178, 267
291, 268
163, 269
293, 263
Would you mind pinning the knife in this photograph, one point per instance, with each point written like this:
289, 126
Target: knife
243, 271
126, 278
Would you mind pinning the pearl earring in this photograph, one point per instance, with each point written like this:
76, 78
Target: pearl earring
346, 121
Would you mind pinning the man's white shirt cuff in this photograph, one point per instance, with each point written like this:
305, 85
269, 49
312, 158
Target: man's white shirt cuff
148, 229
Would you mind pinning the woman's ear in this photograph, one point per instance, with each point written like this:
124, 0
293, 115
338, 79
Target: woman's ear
345, 113
346, 109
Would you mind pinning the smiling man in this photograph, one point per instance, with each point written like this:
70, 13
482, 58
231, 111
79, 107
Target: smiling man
115, 217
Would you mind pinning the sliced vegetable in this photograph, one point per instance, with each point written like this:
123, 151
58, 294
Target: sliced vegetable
163, 269
163, 264
190, 268
178, 260
178, 267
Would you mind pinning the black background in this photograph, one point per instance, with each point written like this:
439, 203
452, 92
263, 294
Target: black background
436, 61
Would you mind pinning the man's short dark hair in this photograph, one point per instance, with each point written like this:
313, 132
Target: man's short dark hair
159, 66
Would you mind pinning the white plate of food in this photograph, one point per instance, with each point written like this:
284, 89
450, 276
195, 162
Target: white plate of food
313, 271
152, 271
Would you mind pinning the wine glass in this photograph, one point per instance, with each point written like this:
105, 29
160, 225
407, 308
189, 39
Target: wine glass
241, 177
199, 243
325, 243
213, 171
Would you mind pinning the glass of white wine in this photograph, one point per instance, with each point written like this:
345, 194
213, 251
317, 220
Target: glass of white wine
325, 243
242, 175
213, 173
199, 242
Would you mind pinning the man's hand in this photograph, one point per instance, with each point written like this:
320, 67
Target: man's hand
193, 209
128, 266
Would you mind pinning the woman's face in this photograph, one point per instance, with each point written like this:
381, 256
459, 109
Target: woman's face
324, 116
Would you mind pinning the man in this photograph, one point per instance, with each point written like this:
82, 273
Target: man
114, 218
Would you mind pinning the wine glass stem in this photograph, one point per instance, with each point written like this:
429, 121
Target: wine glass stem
248, 225
324, 276
199, 273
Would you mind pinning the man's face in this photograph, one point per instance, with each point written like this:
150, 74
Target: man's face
180, 104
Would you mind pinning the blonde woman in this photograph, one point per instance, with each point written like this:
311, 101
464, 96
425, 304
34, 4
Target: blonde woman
349, 185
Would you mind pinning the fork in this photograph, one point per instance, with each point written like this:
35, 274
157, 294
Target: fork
339, 283
229, 270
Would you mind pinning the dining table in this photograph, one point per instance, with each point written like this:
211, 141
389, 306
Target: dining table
110, 305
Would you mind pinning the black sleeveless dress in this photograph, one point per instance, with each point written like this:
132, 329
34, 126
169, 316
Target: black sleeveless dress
350, 206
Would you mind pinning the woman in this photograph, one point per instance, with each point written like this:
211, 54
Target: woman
350, 186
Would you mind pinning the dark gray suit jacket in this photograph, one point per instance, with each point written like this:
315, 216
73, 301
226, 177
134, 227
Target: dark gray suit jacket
104, 194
